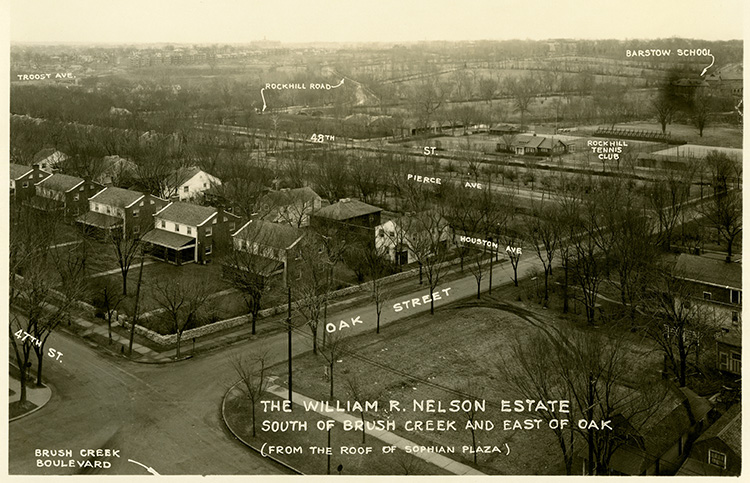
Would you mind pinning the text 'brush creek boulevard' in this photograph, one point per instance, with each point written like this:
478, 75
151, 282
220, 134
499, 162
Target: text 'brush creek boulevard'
480, 257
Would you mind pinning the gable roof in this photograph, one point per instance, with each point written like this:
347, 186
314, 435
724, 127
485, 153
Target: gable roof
117, 197
287, 197
187, 213
709, 271
60, 182
46, 153
346, 209
19, 170
270, 234
183, 175
727, 428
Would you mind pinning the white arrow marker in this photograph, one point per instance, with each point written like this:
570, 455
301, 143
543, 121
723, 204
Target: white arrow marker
712, 63
337, 85
148, 468
264, 99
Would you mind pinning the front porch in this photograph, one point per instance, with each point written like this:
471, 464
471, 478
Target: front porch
170, 247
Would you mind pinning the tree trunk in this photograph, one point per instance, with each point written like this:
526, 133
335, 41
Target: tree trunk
566, 307
40, 360
377, 326
315, 340
109, 326
253, 416
252, 331
179, 336
362, 415
135, 309
124, 274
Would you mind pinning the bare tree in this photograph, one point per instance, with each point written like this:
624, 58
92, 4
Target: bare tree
252, 374
476, 391
544, 237
312, 284
181, 301
701, 110
677, 325
108, 299
428, 239
331, 351
664, 109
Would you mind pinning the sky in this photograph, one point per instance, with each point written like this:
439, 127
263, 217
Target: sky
294, 21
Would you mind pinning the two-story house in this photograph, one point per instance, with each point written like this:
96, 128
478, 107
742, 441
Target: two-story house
118, 208
290, 206
62, 193
188, 183
22, 180
715, 284
352, 218
185, 233
273, 243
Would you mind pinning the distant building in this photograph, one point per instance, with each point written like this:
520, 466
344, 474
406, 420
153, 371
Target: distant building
273, 243
189, 183
62, 193
718, 451
353, 218
22, 180
49, 159
290, 206
714, 284
185, 233
116, 170
398, 238
532, 144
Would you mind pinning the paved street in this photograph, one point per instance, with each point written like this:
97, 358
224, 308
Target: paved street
167, 416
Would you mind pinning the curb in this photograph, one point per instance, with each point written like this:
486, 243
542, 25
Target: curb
223, 417
10, 420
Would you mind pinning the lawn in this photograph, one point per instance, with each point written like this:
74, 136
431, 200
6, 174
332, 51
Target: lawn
238, 414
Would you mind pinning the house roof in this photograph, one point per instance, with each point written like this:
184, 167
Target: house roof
99, 220
346, 209
117, 197
528, 140
19, 170
168, 239
728, 428
46, 204
183, 175
733, 338
60, 182
46, 153
288, 197
421, 222
115, 162
270, 234
709, 271
187, 213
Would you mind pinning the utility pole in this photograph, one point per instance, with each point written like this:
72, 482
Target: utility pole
591, 418
289, 337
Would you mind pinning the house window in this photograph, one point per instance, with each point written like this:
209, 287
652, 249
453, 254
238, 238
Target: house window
81, 188
176, 227
141, 203
96, 206
208, 250
735, 317
205, 185
163, 224
208, 231
735, 362
25, 184
717, 459
706, 295
108, 210
135, 213
76, 197
723, 360
189, 231
186, 189
231, 226
736, 296
136, 229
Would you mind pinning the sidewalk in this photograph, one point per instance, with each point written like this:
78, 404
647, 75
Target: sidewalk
385, 436
39, 396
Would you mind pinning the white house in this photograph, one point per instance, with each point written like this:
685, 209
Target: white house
399, 238
188, 183
48, 159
